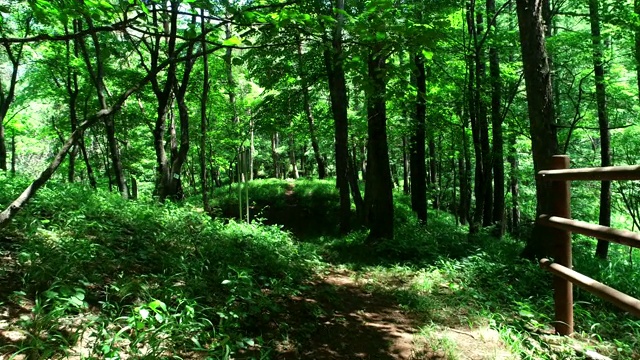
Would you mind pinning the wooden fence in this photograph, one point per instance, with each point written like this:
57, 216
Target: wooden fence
562, 226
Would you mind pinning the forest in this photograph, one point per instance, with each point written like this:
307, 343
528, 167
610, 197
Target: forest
311, 179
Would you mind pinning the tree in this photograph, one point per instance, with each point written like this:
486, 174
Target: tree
15, 53
378, 190
602, 249
544, 141
334, 58
417, 143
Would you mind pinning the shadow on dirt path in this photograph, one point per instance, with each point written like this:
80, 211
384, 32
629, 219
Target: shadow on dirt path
338, 319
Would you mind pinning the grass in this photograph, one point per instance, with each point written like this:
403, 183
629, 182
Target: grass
89, 274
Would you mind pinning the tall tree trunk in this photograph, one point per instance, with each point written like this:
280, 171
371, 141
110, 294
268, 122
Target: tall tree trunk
497, 156
7, 98
602, 249
252, 148
405, 166
274, 155
292, 152
378, 189
306, 104
231, 84
333, 58
417, 149
476, 219
3, 147
13, 154
512, 158
544, 141
87, 163
97, 77
114, 152
203, 115
355, 188
483, 125
433, 172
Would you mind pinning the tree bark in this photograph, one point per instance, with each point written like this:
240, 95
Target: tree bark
203, 116
378, 189
433, 172
292, 152
3, 147
512, 158
97, 78
476, 219
405, 166
274, 155
544, 141
483, 125
333, 58
602, 249
306, 104
13, 154
7, 96
497, 156
417, 149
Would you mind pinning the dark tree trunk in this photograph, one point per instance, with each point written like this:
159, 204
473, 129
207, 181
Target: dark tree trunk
203, 116
87, 163
97, 77
333, 58
170, 169
134, 188
483, 126
274, 155
231, 84
114, 152
417, 149
476, 219
513, 183
3, 146
544, 141
292, 153
13, 154
6, 98
378, 189
434, 173
355, 189
602, 249
306, 103
497, 156
405, 167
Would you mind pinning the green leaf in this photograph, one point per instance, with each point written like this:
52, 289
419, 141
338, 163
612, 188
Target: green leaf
225, 282
232, 41
428, 55
157, 304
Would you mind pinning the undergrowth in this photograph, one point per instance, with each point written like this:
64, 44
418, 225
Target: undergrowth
102, 277
89, 274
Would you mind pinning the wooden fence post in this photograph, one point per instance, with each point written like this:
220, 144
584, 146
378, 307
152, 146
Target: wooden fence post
563, 289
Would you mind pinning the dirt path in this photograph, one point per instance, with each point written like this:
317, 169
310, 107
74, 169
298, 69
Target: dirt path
338, 319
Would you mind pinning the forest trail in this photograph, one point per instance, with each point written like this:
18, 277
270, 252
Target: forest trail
342, 315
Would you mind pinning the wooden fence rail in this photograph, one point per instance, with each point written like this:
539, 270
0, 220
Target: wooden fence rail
562, 226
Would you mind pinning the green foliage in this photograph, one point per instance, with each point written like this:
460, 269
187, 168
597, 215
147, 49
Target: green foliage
145, 280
